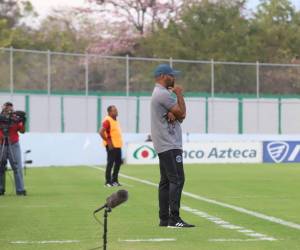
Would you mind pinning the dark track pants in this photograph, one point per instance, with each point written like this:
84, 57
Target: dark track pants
171, 183
114, 161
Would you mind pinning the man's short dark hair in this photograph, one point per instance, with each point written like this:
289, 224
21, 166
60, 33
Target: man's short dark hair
8, 104
109, 108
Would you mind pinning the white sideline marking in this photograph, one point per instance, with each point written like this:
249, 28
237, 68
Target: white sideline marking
218, 221
45, 242
235, 240
149, 240
222, 204
228, 225
231, 226
245, 211
246, 231
44, 206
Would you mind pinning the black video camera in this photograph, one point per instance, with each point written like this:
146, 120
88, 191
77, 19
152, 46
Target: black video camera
8, 119
13, 117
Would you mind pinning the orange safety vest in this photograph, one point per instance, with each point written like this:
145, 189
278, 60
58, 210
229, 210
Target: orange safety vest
115, 132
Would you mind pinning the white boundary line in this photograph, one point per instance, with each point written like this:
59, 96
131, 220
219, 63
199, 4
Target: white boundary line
222, 204
45, 242
219, 222
227, 225
233, 240
149, 240
245, 211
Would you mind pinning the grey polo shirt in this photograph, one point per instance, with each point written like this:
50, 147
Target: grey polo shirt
165, 135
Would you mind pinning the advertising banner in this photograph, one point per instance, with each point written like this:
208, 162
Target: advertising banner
281, 151
204, 152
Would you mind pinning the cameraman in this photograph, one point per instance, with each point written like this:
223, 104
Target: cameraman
10, 125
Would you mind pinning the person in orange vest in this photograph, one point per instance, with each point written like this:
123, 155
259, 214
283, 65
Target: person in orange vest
111, 134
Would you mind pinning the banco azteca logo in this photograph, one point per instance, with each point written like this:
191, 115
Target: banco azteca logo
278, 151
144, 152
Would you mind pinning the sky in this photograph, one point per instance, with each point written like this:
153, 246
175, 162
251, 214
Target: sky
43, 7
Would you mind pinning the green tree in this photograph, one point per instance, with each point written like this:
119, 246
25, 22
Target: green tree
60, 32
277, 40
276, 36
206, 30
5, 34
12, 27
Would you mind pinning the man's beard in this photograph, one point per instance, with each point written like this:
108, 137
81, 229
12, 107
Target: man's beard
170, 83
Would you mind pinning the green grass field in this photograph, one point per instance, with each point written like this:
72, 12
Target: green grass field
60, 203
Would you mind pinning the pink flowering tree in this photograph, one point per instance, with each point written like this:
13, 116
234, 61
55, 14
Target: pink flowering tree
128, 20
138, 13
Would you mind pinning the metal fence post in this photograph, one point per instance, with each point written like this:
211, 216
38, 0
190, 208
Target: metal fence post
49, 72
86, 74
212, 69
49, 88
127, 75
11, 67
171, 62
87, 92
127, 86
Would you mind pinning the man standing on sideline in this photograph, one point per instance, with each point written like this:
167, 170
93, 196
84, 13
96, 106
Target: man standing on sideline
111, 134
167, 112
10, 148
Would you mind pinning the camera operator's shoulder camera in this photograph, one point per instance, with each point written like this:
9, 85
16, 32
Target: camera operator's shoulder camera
8, 116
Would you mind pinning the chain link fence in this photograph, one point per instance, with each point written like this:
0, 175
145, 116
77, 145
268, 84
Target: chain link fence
52, 72
68, 81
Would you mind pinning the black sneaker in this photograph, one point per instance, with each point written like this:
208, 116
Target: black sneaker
178, 223
107, 184
163, 223
21, 193
2, 192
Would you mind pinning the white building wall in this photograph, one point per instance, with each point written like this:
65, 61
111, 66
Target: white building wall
79, 114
